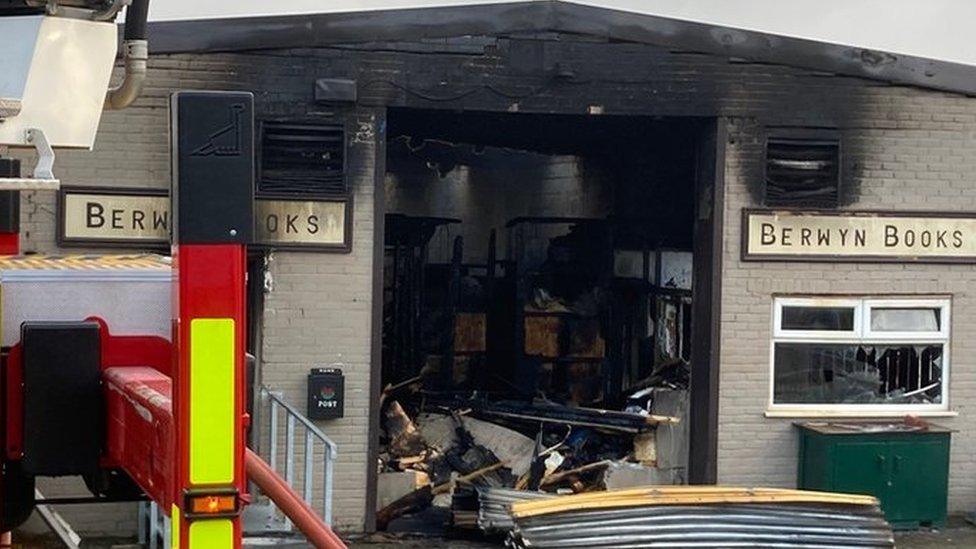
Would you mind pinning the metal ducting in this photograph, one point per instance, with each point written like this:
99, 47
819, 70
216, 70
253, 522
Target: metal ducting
135, 50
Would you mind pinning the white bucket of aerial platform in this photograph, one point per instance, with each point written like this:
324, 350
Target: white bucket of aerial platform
54, 72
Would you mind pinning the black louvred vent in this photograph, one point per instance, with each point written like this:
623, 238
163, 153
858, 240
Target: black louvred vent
802, 172
302, 160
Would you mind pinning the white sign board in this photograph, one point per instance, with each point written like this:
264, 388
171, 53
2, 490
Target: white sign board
140, 218
858, 236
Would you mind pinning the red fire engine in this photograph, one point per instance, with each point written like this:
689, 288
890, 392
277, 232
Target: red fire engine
160, 413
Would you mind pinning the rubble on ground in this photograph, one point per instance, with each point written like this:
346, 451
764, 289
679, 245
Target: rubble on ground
471, 456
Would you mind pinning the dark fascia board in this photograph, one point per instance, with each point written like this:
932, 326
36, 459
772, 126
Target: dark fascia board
309, 31
767, 48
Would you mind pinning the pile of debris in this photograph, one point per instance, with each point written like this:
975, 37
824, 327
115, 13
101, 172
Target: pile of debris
463, 460
707, 516
541, 474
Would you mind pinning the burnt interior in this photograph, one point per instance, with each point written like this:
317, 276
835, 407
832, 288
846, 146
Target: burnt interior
544, 293
537, 287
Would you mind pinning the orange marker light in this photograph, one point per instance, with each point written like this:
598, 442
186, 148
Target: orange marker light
210, 505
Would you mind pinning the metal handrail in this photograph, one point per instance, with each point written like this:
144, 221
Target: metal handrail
312, 434
315, 530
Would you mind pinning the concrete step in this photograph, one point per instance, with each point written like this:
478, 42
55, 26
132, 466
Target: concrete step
275, 541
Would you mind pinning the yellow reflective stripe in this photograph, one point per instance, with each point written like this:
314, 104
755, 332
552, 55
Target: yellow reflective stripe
211, 534
174, 528
212, 385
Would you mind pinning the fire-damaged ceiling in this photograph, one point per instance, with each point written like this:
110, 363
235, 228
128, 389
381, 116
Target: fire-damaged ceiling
322, 29
547, 134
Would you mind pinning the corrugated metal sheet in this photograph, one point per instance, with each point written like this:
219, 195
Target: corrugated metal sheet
694, 517
494, 507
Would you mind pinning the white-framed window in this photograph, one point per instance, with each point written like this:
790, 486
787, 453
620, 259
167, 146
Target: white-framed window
859, 355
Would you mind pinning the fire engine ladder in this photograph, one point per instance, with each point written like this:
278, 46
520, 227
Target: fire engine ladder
305, 446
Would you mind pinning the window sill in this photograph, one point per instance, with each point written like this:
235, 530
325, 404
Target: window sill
858, 413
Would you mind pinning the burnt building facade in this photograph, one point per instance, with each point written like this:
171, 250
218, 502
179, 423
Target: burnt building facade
753, 158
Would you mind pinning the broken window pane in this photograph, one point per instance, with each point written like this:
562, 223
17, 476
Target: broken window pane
905, 319
818, 318
851, 373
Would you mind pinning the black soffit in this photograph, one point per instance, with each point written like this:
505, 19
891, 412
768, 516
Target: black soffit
306, 31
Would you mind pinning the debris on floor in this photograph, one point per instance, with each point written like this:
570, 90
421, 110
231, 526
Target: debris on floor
542, 474
471, 456
619, 475
404, 438
393, 485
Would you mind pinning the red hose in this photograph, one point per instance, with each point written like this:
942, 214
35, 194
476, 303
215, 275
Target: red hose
291, 504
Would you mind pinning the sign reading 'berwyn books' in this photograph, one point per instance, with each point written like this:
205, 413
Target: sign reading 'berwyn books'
139, 218
858, 236
98, 217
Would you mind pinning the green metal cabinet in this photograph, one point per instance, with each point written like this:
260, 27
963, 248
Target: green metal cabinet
906, 468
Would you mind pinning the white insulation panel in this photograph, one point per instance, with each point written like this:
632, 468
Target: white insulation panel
70, 64
131, 302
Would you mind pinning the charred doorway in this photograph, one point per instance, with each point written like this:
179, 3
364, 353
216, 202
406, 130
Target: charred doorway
540, 284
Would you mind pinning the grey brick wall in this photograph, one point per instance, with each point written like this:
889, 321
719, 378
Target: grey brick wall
319, 311
905, 149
